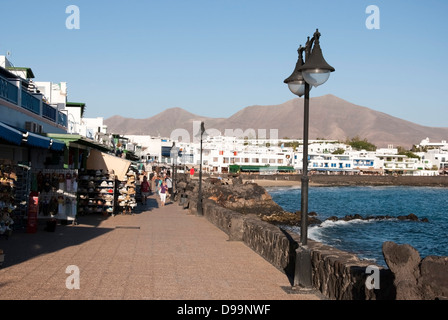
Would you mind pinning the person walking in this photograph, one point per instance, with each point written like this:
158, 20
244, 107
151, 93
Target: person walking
156, 184
152, 177
145, 189
163, 193
169, 184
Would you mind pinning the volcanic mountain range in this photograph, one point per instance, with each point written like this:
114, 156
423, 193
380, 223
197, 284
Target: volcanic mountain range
330, 118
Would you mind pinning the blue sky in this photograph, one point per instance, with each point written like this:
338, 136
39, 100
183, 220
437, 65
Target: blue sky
213, 58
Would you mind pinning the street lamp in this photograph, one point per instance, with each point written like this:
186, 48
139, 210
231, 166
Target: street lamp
173, 177
199, 206
314, 71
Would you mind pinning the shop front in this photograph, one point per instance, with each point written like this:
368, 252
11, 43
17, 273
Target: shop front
21, 152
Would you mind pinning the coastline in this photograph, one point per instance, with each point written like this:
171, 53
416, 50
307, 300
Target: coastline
273, 183
347, 180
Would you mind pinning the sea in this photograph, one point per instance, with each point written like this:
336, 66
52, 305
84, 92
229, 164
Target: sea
366, 237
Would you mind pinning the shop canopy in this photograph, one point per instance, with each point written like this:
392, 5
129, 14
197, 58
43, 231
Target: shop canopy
10, 134
36, 140
57, 145
76, 139
17, 136
98, 160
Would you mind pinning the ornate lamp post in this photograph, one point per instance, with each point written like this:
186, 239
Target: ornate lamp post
314, 71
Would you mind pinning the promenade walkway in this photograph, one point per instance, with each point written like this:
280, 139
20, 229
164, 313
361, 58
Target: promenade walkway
157, 253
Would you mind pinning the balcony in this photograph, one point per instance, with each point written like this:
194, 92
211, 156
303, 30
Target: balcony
8, 91
28, 101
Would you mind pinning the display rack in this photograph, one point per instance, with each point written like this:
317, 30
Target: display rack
57, 190
96, 192
8, 181
127, 193
21, 193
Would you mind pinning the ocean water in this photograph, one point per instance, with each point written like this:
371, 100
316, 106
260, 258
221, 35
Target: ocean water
365, 238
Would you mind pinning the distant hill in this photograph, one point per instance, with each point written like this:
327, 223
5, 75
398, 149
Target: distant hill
330, 118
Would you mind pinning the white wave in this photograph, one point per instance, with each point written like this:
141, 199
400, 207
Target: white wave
331, 223
317, 232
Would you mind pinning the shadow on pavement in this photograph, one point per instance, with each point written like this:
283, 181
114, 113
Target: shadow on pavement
22, 246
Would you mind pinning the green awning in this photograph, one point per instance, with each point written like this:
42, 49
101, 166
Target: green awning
29, 72
78, 139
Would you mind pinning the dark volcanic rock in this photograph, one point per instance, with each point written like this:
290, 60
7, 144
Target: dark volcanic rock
289, 218
416, 279
409, 217
403, 261
433, 280
244, 198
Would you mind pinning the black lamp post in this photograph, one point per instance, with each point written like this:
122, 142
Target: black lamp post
199, 206
314, 71
173, 156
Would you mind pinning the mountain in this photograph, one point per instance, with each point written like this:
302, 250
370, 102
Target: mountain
330, 118
159, 125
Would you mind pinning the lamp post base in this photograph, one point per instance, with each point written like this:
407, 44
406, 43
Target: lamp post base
303, 270
199, 209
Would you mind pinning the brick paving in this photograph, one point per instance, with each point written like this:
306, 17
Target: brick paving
157, 253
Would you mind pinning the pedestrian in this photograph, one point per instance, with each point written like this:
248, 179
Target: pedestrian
191, 172
163, 193
145, 189
156, 184
169, 184
152, 177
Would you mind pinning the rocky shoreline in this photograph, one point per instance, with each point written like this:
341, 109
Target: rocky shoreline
249, 197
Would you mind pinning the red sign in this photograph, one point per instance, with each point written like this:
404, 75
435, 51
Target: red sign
33, 208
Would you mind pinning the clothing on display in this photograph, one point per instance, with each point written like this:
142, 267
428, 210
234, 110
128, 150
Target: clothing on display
57, 190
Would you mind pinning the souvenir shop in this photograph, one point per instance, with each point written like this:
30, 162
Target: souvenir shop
43, 187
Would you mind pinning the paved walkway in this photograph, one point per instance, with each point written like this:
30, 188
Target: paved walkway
158, 253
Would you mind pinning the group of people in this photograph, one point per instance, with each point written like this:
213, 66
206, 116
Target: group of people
161, 184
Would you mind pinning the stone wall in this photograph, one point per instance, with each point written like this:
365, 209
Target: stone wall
336, 274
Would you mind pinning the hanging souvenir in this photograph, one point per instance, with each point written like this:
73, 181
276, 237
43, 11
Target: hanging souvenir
68, 182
